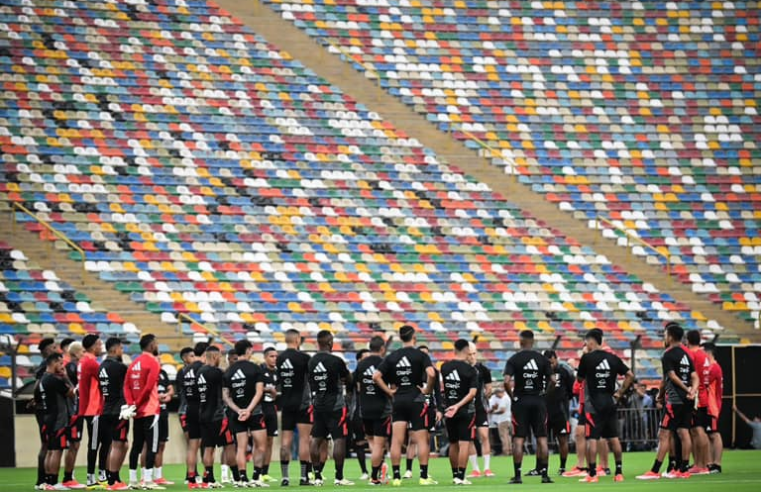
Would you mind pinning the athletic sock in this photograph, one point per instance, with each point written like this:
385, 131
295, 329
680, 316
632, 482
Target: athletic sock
133, 476
284, 468
656, 466
242, 476
619, 468
517, 469
592, 470
542, 468
257, 473
158, 472
208, 474
397, 472
266, 470
423, 471
375, 473
409, 464
318, 471
304, 471
148, 475
68, 476
52, 479
563, 462
236, 473
461, 473
340, 471
473, 458
487, 462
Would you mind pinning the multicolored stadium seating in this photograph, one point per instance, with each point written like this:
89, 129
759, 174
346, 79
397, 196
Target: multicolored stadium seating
643, 113
206, 173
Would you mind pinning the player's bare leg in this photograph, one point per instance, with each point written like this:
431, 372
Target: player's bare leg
260, 448
398, 436
305, 432
700, 447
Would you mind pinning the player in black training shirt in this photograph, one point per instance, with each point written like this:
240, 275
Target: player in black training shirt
677, 394
115, 431
460, 380
295, 405
374, 405
532, 376
328, 376
482, 417
166, 392
243, 392
53, 392
269, 407
47, 346
187, 381
215, 428
558, 405
401, 375
599, 370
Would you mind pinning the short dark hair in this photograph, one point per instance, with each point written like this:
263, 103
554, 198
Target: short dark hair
424, 347
269, 349
324, 337
200, 348
185, 351
241, 346
89, 340
53, 358
112, 342
65, 343
595, 334
550, 354
461, 344
709, 347
376, 344
212, 349
147, 340
693, 337
675, 331
406, 333
526, 335
361, 352
45, 343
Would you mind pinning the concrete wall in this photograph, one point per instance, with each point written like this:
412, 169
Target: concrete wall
28, 443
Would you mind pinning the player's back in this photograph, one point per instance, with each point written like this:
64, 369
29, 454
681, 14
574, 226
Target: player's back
210, 382
405, 368
292, 368
326, 375
459, 377
111, 380
529, 370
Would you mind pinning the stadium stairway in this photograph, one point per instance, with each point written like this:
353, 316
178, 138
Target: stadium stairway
99, 291
338, 70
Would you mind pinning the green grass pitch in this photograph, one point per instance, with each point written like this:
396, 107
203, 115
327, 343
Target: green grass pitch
742, 472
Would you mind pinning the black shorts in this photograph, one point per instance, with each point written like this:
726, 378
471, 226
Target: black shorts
55, 438
677, 417
380, 427
701, 419
416, 414
333, 424
431, 418
164, 427
461, 428
216, 434
253, 423
118, 429
190, 423
529, 414
145, 430
357, 429
602, 424
581, 420
270, 420
482, 418
291, 418
558, 424
75, 428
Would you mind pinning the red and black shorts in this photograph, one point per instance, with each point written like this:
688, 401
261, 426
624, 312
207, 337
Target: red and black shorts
291, 418
529, 414
270, 419
558, 424
461, 428
164, 426
75, 428
482, 417
334, 424
190, 423
216, 434
416, 414
55, 437
380, 427
253, 423
677, 417
119, 429
701, 419
713, 424
601, 424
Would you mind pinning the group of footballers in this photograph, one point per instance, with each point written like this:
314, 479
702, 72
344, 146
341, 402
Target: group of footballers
398, 398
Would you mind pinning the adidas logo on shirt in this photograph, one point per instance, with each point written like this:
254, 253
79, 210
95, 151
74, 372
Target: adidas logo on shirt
103, 374
201, 379
603, 366
287, 364
320, 368
531, 366
454, 376
685, 361
369, 371
238, 375
403, 362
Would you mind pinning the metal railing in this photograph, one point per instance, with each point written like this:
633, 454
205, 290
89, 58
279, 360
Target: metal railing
211, 331
631, 237
60, 235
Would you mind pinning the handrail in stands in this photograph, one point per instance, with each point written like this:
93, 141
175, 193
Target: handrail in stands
56, 232
631, 237
210, 330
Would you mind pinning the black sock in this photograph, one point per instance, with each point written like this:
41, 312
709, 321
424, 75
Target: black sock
318, 471
340, 471
409, 464
309, 467
53, 478
397, 472
461, 473
656, 466
236, 473
362, 461
423, 471
257, 473
563, 462
592, 470
517, 469
672, 464
110, 477
375, 473
266, 470
68, 476
543, 468
304, 471
455, 472
208, 474
619, 468
243, 476
685, 466
284, 468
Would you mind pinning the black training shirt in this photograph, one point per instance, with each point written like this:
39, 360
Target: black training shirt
111, 380
326, 375
189, 383
677, 359
211, 408
406, 369
459, 378
241, 379
599, 370
530, 370
292, 367
373, 403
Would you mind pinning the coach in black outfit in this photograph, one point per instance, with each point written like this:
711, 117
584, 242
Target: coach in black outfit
532, 374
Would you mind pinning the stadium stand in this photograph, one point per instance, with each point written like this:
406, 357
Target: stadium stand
207, 173
642, 113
